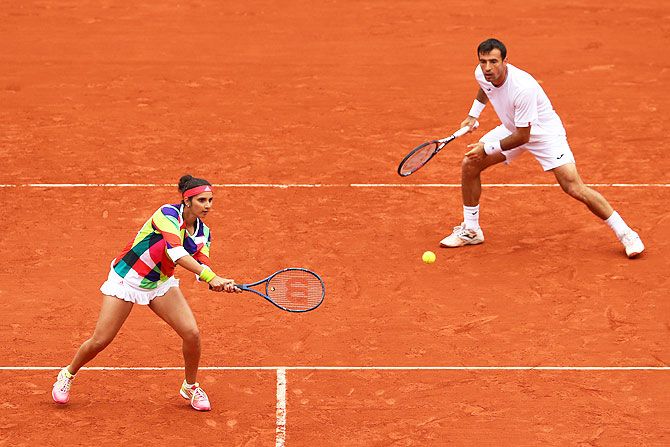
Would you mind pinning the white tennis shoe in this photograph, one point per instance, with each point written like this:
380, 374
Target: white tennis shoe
61, 389
632, 243
463, 236
195, 394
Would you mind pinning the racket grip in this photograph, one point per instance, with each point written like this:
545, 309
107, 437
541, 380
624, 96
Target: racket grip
239, 286
463, 130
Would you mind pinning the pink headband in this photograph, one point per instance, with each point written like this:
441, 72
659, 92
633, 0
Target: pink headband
196, 190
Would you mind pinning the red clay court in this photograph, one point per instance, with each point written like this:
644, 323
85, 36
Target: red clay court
546, 335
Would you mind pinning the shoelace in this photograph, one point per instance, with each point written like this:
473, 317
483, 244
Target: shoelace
66, 384
460, 230
199, 394
195, 392
629, 238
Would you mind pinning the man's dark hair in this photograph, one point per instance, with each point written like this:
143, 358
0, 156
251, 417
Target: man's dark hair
489, 44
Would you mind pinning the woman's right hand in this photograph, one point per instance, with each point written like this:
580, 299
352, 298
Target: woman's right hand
219, 284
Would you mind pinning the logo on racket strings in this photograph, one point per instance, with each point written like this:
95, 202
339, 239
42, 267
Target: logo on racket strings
297, 290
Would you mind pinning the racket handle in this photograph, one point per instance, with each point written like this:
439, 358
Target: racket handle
239, 286
463, 130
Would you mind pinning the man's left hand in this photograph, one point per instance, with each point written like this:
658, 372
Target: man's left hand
476, 151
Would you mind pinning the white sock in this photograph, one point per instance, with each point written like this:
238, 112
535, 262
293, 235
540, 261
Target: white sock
471, 217
617, 225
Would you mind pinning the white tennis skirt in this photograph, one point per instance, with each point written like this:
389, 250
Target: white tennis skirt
120, 288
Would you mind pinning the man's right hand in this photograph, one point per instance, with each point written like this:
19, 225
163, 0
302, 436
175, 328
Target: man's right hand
470, 122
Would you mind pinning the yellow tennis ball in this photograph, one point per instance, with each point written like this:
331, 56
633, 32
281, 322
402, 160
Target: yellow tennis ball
428, 257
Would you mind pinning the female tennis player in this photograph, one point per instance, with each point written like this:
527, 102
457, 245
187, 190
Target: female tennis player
143, 274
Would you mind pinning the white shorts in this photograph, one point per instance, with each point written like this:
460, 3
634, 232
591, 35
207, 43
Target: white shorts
120, 288
550, 151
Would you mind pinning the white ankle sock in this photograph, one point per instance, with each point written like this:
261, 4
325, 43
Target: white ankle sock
471, 217
617, 225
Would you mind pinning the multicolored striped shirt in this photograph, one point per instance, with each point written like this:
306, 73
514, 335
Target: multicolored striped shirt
149, 259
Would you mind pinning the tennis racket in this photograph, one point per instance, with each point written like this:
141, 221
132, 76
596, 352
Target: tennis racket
422, 154
290, 289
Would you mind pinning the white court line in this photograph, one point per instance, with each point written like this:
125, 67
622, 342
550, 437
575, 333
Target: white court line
327, 185
280, 409
280, 437
348, 368
166, 185
504, 185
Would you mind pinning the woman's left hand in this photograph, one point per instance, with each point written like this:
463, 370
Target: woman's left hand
219, 284
229, 286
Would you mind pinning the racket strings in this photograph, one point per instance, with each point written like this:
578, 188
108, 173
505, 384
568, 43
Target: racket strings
295, 290
418, 158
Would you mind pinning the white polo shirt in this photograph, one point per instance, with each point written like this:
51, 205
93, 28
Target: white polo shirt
521, 102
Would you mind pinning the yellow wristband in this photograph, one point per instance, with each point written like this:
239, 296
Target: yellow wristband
207, 274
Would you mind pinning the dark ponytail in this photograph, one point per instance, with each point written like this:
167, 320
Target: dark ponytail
187, 182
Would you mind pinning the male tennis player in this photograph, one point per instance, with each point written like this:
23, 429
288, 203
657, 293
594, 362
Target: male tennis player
529, 123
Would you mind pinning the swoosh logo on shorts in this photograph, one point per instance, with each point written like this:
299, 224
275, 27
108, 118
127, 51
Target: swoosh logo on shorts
558, 158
